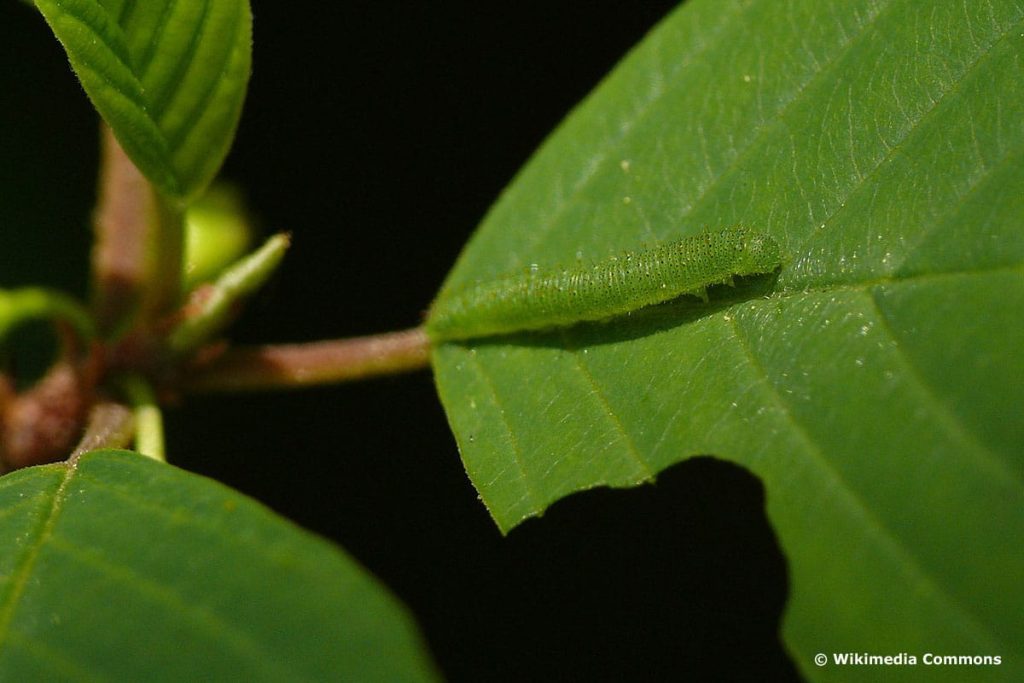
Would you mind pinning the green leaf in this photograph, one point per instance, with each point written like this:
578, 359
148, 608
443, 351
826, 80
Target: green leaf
216, 306
169, 76
203, 583
875, 387
20, 306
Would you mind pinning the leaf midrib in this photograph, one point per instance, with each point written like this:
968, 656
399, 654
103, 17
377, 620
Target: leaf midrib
23, 571
863, 287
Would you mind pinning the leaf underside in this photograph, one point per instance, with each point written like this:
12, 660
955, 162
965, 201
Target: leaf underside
168, 76
120, 568
875, 386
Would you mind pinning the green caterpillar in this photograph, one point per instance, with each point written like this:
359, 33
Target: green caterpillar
618, 285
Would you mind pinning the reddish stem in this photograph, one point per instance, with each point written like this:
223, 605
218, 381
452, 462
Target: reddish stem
119, 255
111, 425
42, 424
136, 260
326, 362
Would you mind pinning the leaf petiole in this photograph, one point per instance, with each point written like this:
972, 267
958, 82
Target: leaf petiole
111, 425
149, 421
289, 366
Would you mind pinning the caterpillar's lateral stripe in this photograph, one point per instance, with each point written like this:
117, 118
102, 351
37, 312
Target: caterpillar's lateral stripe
618, 285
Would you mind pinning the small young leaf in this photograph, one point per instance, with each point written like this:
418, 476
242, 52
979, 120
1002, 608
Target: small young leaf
212, 307
169, 76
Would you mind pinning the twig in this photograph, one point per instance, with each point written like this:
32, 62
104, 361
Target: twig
119, 254
326, 362
111, 425
42, 424
136, 260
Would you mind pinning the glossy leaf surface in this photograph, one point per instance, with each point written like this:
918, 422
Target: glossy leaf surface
875, 386
121, 568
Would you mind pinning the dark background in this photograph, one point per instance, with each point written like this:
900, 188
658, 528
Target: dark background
379, 135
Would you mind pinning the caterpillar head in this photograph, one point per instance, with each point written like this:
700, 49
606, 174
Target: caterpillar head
758, 253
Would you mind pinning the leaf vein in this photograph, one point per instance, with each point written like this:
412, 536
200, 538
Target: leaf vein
644, 108
127, 10
513, 441
600, 396
952, 87
152, 46
62, 668
885, 537
214, 624
44, 531
160, 102
953, 424
115, 51
191, 125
